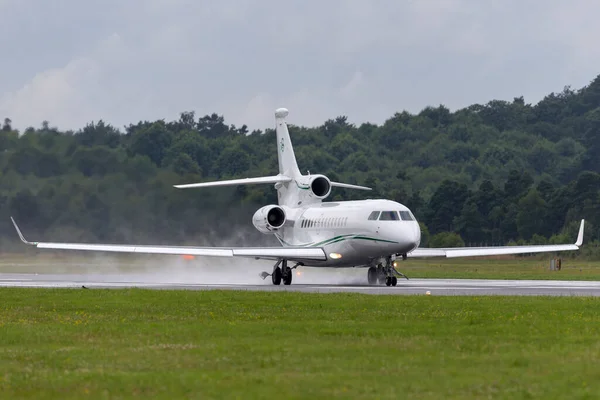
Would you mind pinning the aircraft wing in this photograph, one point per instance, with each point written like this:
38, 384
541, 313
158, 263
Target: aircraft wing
452, 252
269, 253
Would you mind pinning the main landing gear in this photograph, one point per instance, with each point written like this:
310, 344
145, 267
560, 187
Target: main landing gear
385, 273
283, 273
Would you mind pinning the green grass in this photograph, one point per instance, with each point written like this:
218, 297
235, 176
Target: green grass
506, 268
70, 343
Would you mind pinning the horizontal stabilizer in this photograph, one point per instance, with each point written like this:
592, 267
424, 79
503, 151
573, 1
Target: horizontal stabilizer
244, 181
348, 186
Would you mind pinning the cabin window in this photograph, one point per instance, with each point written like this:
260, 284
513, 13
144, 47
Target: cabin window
374, 215
389, 216
406, 216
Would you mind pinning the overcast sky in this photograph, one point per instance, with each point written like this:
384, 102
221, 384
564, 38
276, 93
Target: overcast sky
73, 61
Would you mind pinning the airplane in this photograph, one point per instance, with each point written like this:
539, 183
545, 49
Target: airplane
373, 233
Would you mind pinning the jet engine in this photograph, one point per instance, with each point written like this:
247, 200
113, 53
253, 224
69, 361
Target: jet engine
269, 218
320, 186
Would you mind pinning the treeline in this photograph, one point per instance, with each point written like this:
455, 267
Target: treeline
493, 174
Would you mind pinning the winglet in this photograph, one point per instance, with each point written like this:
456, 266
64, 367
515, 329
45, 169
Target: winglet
20, 234
579, 241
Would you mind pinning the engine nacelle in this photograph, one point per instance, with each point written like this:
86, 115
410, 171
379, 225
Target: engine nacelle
269, 219
319, 186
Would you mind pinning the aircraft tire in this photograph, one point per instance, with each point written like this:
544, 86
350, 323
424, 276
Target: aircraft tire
276, 277
388, 281
372, 276
287, 276
394, 281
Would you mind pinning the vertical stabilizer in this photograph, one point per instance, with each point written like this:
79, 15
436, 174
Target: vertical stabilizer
285, 152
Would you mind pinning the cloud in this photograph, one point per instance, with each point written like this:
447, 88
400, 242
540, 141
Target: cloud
55, 95
71, 63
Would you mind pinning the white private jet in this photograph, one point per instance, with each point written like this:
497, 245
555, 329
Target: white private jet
365, 233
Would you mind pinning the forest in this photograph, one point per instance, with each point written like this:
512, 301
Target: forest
498, 173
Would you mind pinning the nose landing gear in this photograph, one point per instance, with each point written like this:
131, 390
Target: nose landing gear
385, 273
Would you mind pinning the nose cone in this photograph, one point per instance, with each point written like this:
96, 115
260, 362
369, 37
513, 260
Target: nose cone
406, 234
416, 234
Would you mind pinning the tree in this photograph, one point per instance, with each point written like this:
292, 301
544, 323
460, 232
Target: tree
7, 125
531, 215
446, 239
99, 134
470, 223
517, 184
445, 204
152, 141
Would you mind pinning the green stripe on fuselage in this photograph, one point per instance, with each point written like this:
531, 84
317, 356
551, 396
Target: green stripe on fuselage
335, 239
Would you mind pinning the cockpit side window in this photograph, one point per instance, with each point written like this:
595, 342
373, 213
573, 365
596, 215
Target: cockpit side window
406, 216
389, 216
374, 215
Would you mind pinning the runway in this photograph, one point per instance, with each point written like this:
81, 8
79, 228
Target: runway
439, 287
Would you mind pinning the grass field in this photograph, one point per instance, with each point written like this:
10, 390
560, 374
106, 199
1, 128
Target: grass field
70, 343
501, 268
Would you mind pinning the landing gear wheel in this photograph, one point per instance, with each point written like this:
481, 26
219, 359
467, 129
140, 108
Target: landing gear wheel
381, 275
394, 281
372, 276
276, 276
287, 276
388, 281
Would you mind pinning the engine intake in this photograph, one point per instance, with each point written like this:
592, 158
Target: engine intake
269, 218
320, 186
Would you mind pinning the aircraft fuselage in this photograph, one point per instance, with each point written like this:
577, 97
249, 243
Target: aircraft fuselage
360, 231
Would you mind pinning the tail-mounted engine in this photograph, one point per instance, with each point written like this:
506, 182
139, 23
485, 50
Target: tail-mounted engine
269, 219
319, 186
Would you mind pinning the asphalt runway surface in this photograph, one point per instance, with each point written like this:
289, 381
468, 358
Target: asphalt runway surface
469, 287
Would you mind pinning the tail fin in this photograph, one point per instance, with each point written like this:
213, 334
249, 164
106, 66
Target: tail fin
285, 152
288, 194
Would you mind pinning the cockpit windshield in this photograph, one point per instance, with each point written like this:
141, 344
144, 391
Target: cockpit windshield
391, 216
